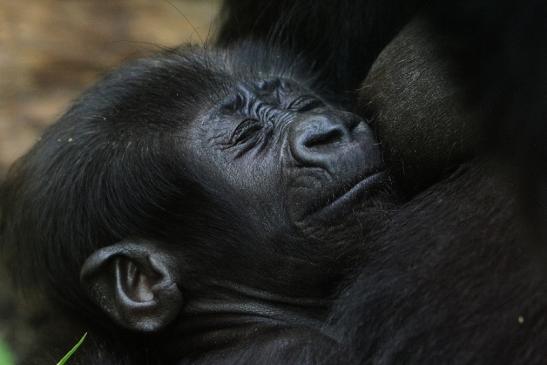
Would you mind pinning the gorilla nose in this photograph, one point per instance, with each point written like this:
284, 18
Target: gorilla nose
316, 139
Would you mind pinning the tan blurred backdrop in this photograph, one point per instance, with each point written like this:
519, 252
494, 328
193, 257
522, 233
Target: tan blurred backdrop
50, 50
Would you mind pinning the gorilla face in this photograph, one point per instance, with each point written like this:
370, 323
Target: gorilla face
230, 157
282, 152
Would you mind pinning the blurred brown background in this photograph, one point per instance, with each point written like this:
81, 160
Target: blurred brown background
50, 50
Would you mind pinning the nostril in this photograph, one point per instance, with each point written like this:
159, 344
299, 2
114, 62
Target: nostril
323, 138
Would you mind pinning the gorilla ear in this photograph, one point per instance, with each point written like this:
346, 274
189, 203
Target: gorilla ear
135, 283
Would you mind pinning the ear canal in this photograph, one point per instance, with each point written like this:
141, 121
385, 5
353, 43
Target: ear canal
139, 285
135, 284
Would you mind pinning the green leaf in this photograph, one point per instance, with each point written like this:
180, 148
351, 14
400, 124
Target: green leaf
72, 350
5, 356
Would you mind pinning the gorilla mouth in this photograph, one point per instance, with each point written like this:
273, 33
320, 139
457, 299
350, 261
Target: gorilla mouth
362, 190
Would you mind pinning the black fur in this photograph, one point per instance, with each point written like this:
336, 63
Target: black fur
447, 277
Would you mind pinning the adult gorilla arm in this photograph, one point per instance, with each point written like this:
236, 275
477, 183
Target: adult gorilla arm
493, 54
436, 99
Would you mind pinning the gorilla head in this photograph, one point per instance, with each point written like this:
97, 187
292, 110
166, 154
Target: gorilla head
195, 182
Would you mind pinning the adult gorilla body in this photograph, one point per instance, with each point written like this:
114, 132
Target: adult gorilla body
212, 270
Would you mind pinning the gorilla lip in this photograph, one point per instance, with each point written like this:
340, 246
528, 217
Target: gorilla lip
362, 190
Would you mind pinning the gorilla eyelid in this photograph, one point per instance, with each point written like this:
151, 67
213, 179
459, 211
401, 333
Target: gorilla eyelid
305, 103
245, 131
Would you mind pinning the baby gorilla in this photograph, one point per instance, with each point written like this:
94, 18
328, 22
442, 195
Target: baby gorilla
194, 203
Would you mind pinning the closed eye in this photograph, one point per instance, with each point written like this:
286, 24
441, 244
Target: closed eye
245, 131
305, 103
